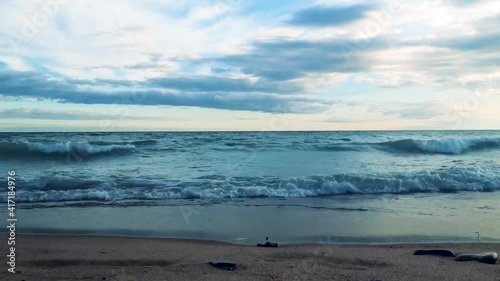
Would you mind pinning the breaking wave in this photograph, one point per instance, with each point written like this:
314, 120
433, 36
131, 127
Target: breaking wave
443, 146
446, 146
451, 146
21, 149
60, 189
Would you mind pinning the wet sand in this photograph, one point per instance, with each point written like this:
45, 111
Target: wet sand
41, 257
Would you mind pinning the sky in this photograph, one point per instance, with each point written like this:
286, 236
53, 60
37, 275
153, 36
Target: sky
261, 65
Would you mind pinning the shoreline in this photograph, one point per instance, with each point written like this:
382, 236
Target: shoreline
389, 221
76, 257
282, 244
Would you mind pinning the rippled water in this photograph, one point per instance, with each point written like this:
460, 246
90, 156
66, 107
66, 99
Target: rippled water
152, 168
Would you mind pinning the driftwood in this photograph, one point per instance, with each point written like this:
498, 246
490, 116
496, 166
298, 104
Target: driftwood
435, 252
488, 257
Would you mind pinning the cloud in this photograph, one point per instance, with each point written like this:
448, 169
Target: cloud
409, 111
42, 114
197, 83
339, 120
283, 59
261, 57
320, 16
35, 85
465, 2
219, 84
470, 42
102, 82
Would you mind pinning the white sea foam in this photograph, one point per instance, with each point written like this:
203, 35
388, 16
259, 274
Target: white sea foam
445, 181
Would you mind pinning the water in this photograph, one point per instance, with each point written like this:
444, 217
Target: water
344, 176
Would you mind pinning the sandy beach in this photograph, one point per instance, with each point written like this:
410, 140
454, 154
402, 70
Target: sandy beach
41, 257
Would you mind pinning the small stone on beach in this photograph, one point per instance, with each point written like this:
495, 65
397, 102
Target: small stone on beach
225, 265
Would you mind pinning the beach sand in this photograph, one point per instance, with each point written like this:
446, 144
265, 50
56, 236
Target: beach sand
55, 257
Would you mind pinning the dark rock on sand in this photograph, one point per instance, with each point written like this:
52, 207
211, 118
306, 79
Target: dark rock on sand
268, 244
435, 252
225, 265
488, 257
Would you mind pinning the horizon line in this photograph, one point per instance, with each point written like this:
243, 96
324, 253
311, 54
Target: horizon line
249, 131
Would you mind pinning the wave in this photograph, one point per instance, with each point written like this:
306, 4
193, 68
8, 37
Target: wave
446, 146
144, 142
450, 146
442, 146
339, 147
19, 149
57, 189
139, 142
